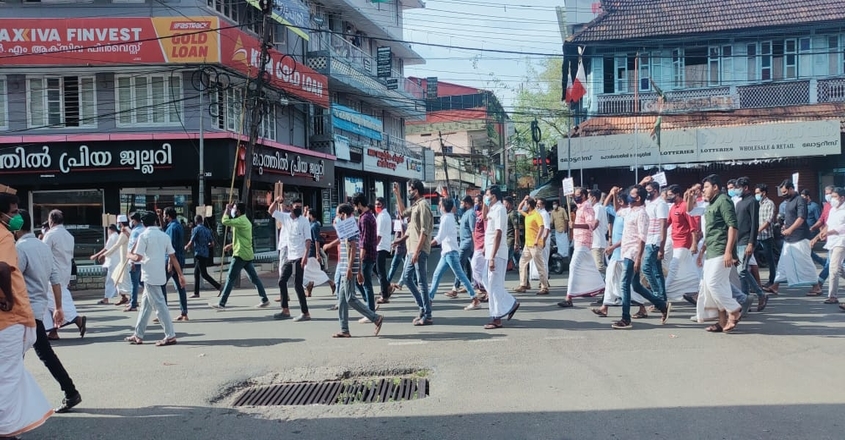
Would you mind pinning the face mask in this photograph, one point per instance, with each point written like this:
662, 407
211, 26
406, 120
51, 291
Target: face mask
233, 213
630, 199
834, 203
297, 212
379, 209
554, 208
15, 223
578, 199
828, 197
758, 197
525, 208
486, 201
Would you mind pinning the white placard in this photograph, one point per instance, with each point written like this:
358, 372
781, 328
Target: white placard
795, 181
347, 228
660, 178
568, 186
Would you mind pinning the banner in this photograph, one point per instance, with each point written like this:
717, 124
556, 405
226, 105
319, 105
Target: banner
349, 120
704, 145
387, 162
99, 41
242, 52
291, 13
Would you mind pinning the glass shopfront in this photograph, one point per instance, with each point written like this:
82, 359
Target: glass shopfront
83, 217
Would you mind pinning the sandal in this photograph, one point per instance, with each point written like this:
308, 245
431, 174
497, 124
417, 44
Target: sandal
419, 322
378, 324
493, 325
811, 293
513, 311
165, 342
103, 302
452, 294
565, 304
731, 325
831, 301
715, 328
640, 315
341, 335
599, 312
133, 340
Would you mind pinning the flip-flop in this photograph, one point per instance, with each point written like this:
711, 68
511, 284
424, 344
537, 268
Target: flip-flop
133, 340
513, 311
378, 324
165, 342
599, 312
339, 335
831, 301
715, 328
492, 325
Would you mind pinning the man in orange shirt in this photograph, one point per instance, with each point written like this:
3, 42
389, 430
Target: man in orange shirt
23, 406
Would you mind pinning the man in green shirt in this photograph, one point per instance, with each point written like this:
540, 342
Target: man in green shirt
242, 255
720, 255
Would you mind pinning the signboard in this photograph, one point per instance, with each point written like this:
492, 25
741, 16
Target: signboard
704, 145
276, 165
469, 125
393, 84
660, 178
346, 228
568, 186
431, 87
242, 52
384, 62
112, 40
341, 147
387, 162
346, 119
292, 13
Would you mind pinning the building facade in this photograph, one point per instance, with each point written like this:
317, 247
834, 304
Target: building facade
740, 87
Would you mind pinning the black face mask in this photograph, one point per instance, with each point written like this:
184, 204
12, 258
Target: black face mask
297, 212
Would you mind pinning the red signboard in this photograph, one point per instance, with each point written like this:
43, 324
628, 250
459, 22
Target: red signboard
99, 41
242, 52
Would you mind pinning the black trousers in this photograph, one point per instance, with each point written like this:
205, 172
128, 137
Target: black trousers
293, 267
201, 269
45, 352
381, 270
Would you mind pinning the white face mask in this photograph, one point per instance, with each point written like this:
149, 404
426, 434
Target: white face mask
834, 203
828, 197
233, 213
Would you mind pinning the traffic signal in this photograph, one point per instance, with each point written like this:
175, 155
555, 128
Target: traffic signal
536, 161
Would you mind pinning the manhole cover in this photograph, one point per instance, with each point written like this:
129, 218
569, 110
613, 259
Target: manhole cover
336, 392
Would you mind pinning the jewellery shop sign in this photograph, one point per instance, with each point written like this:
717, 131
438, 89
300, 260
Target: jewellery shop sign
95, 162
272, 165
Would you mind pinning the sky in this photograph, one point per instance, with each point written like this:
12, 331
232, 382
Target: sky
526, 26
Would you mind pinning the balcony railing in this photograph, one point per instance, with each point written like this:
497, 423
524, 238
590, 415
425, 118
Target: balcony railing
831, 90
678, 101
341, 48
774, 95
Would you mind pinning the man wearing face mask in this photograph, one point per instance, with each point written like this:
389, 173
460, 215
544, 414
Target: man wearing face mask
796, 267
502, 303
584, 277
547, 231
466, 227
242, 255
533, 250
419, 247
835, 234
62, 245
134, 268
683, 278
560, 220
368, 247
748, 217
765, 234
818, 230
657, 211
477, 263
298, 241
385, 241
447, 236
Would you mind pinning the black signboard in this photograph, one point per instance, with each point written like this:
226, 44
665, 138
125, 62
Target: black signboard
384, 62
392, 83
273, 165
59, 163
431, 87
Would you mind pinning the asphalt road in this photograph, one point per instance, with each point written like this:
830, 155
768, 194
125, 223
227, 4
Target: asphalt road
549, 374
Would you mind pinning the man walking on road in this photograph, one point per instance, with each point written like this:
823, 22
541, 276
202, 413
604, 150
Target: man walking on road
203, 244
796, 267
465, 228
62, 246
134, 268
177, 239
368, 227
502, 303
384, 226
419, 247
298, 233
242, 254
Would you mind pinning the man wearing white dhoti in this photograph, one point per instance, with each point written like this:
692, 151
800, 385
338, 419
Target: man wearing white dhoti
683, 277
314, 274
560, 223
114, 255
23, 406
109, 264
547, 231
62, 246
835, 232
478, 263
533, 249
502, 303
633, 246
599, 244
584, 277
720, 256
617, 208
796, 266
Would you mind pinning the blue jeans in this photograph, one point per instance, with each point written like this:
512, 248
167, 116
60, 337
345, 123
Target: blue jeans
235, 267
463, 259
768, 248
366, 289
453, 261
748, 281
420, 270
631, 278
653, 271
183, 295
397, 262
135, 277
825, 270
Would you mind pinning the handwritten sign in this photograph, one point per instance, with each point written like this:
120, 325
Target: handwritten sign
660, 178
346, 228
568, 186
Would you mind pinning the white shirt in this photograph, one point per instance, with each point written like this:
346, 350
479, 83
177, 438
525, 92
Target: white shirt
656, 210
547, 220
600, 233
298, 231
112, 260
282, 217
497, 220
447, 234
385, 234
61, 244
836, 221
156, 248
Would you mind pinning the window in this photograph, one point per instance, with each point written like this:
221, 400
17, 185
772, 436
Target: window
833, 55
228, 8
267, 128
805, 59
779, 59
67, 101
766, 61
713, 63
4, 110
149, 100
645, 73
751, 60
229, 107
678, 68
727, 62
696, 69
626, 73
790, 59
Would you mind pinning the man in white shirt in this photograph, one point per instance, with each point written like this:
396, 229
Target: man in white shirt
61, 244
153, 250
298, 241
545, 233
600, 232
658, 212
450, 255
384, 227
502, 303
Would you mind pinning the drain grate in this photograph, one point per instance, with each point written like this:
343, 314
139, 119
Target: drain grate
335, 393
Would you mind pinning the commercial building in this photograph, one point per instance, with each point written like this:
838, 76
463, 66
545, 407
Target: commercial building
749, 87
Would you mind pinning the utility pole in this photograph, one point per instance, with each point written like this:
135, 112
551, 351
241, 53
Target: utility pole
202, 153
256, 87
445, 164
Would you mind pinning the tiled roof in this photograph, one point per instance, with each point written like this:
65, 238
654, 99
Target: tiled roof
451, 116
630, 19
607, 125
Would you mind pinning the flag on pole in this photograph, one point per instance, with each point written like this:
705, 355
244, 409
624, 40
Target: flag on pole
568, 92
579, 86
655, 132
